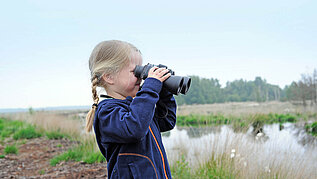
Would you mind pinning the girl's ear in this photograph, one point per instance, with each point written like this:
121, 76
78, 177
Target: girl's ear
108, 78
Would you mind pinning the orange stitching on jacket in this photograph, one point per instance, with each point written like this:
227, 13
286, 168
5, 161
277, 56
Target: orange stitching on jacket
141, 156
160, 151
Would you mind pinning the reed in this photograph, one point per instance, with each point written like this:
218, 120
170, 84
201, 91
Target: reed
232, 155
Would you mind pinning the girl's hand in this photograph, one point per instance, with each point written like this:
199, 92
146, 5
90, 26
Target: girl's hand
159, 73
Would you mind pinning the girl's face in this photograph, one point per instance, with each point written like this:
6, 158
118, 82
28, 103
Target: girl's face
125, 83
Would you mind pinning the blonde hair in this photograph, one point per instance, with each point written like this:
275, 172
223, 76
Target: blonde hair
108, 57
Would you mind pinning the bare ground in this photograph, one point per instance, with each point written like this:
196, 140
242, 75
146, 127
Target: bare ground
33, 161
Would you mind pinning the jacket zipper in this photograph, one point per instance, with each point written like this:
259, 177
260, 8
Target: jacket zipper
160, 151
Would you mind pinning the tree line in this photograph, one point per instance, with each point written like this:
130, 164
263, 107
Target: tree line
208, 91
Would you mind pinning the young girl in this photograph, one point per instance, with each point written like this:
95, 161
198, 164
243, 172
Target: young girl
128, 121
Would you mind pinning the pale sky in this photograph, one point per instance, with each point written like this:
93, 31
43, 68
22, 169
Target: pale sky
45, 46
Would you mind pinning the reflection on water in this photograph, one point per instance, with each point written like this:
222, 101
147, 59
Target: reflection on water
196, 132
286, 145
289, 133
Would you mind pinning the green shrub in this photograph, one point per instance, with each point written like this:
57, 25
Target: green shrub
10, 149
26, 133
2, 156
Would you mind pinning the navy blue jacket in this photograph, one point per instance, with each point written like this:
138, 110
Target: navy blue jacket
128, 132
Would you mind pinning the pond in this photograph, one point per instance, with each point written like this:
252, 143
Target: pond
283, 146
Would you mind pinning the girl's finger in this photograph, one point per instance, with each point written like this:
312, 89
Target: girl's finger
153, 69
159, 70
162, 71
166, 76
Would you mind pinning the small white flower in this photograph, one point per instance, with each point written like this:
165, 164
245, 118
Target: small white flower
245, 164
267, 169
232, 155
233, 150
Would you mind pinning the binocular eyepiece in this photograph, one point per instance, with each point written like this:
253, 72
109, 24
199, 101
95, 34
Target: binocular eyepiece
174, 84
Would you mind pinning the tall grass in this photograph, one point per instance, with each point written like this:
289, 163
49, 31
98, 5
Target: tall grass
233, 155
50, 122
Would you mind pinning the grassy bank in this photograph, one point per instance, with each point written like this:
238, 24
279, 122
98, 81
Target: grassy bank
15, 132
220, 119
243, 122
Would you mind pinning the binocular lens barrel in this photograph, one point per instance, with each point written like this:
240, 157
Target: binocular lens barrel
174, 84
186, 85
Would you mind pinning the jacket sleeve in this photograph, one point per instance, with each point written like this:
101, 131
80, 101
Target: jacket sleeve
165, 112
121, 123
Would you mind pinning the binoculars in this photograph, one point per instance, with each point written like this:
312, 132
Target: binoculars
174, 84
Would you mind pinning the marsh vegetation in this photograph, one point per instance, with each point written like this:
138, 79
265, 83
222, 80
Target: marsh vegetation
230, 140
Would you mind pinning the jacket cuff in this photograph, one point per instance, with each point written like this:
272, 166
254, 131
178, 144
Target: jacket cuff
153, 84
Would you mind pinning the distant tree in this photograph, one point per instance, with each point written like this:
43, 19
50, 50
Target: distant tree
303, 90
31, 110
207, 91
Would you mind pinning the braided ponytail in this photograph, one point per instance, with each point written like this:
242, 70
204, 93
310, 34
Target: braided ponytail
91, 113
108, 57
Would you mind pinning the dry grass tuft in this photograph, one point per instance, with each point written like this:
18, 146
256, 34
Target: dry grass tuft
52, 121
